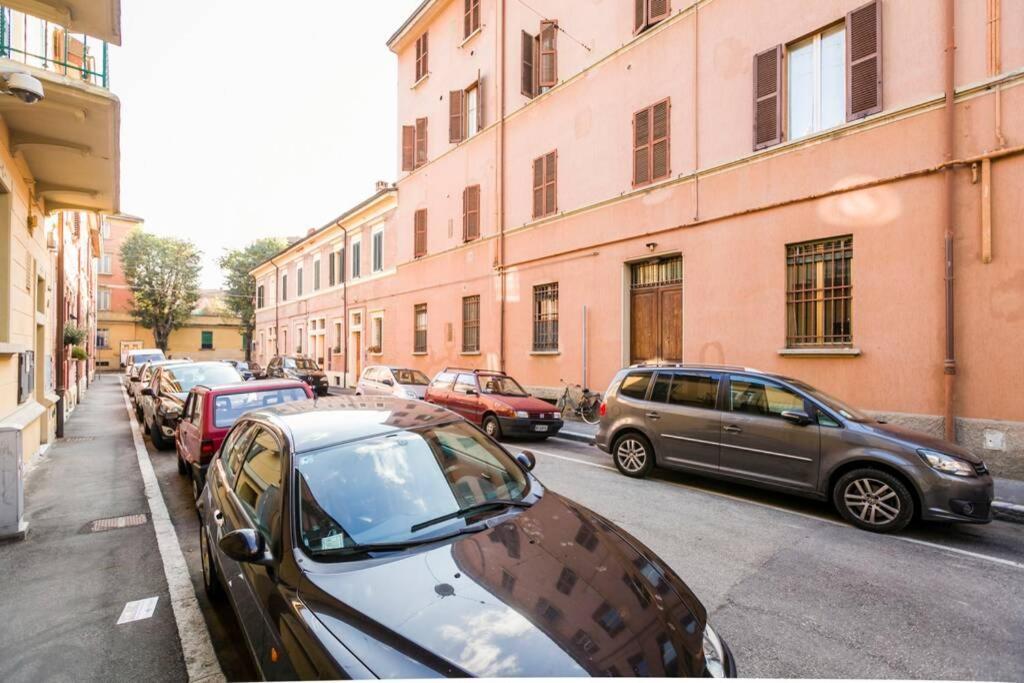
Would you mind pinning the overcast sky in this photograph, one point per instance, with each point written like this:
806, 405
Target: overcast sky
248, 119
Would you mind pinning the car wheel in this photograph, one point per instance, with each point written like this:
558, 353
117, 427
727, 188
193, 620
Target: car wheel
492, 427
873, 500
182, 465
157, 436
633, 455
211, 582
196, 490
145, 425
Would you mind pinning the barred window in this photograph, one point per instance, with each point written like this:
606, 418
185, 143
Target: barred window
819, 292
545, 317
420, 329
259, 297
471, 324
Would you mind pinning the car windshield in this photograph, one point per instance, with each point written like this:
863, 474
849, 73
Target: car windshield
501, 385
139, 358
401, 486
180, 378
845, 410
229, 407
300, 364
413, 377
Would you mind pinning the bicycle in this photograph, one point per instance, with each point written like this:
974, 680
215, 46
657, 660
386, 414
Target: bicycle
588, 408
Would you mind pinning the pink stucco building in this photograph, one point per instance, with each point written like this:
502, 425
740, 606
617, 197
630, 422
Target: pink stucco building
722, 181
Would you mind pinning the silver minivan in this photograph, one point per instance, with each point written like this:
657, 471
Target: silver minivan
780, 433
390, 380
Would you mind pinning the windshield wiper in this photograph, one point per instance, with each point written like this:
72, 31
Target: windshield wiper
403, 545
462, 512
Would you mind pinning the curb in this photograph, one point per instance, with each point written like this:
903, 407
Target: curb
1008, 512
569, 435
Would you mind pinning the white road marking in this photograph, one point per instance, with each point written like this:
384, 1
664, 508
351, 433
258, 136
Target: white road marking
137, 610
200, 659
904, 539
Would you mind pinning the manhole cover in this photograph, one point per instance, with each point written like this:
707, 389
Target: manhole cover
111, 523
72, 439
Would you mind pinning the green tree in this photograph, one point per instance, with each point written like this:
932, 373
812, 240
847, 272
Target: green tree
163, 273
240, 287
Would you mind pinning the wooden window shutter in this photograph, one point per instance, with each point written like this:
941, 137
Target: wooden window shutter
538, 187
864, 61
527, 84
408, 147
550, 176
421, 57
642, 147
471, 19
768, 98
639, 15
420, 233
660, 149
475, 18
479, 102
421, 142
330, 270
471, 213
657, 10
548, 54
457, 116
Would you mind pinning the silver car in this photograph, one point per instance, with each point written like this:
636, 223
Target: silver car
388, 380
779, 433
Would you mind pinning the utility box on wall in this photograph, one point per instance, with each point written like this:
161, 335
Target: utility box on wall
12, 485
26, 375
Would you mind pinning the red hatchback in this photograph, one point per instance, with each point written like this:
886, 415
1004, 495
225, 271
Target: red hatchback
210, 412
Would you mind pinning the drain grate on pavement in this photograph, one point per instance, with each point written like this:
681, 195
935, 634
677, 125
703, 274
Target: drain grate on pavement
112, 523
76, 439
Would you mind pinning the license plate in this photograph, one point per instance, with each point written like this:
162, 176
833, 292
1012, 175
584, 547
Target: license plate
540, 428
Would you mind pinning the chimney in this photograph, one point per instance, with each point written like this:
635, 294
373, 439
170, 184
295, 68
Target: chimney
310, 231
383, 185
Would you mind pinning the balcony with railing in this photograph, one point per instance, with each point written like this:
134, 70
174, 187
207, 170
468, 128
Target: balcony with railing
42, 44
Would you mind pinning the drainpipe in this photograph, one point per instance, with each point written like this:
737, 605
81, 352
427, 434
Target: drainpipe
277, 304
501, 189
949, 364
59, 341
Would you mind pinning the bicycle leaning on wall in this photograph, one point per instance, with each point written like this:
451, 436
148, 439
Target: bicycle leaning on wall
586, 408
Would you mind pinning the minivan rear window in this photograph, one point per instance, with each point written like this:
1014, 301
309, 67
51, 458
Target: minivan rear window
229, 407
635, 385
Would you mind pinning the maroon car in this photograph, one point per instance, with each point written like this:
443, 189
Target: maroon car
494, 401
210, 411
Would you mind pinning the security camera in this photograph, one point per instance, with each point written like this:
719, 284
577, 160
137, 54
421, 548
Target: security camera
26, 88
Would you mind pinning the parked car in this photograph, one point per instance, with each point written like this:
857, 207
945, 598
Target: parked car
494, 401
141, 377
243, 368
164, 398
386, 380
389, 539
301, 368
257, 370
211, 410
137, 356
780, 433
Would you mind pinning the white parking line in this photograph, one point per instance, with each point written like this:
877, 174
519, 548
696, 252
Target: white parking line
938, 546
200, 659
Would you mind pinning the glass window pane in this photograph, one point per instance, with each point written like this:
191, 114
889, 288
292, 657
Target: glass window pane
694, 390
635, 385
763, 399
833, 78
800, 61
661, 385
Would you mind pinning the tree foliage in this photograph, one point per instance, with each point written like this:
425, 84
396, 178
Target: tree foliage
163, 273
240, 287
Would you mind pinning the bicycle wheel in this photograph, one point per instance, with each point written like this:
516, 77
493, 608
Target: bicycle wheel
590, 412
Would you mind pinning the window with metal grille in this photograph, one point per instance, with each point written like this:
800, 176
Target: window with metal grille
819, 292
471, 324
667, 271
207, 340
419, 344
545, 317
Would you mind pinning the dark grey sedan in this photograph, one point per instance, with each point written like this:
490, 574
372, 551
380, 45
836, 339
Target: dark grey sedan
389, 538
780, 433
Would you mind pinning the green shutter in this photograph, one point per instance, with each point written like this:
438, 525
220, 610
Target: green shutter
207, 339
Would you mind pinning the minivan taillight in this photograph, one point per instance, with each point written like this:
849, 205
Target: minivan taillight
207, 447
603, 409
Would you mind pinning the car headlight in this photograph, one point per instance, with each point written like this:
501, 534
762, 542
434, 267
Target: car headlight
522, 413
947, 464
714, 653
558, 415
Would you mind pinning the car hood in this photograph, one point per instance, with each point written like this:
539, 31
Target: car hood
554, 590
914, 439
527, 403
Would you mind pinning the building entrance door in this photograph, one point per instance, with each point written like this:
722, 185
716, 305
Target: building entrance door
656, 311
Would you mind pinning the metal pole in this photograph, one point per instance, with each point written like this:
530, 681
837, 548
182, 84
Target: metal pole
59, 351
585, 383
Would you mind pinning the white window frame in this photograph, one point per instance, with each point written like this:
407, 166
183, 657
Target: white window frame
103, 298
472, 116
816, 83
377, 254
106, 263
375, 316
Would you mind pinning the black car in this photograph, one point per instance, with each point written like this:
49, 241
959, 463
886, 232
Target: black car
163, 399
383, 537
298, 367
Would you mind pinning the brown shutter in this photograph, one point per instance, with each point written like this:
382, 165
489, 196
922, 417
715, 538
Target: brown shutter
421, 142
657, 10
465, 214
538, 187
548, 54
768, 98
527, 65
421, 56
550, 176
475, 20
471, 213
420, 233
642, 147
660, 152
639, 15
457, 115
864, 61
408, 147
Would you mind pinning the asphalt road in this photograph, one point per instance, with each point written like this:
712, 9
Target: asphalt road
796, 591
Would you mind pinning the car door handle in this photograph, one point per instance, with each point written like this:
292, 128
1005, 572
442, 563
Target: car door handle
653, 415
218, 517
732, 429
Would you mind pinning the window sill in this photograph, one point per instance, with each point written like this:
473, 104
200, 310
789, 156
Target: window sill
851, 352
469, 353
545, 353
419, 82
419, 353
468, 39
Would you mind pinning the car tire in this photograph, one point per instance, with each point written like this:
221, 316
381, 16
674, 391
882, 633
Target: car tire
159, 442
145, 425
873, 500
492, 427
196, 489
211, 579
182, 465
633, 455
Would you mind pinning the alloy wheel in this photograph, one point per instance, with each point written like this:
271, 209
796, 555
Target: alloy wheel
872, 501
632, 455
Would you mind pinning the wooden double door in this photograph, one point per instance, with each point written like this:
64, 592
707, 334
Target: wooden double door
656, 312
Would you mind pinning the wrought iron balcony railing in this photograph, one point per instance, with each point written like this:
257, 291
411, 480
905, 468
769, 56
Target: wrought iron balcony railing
42, 44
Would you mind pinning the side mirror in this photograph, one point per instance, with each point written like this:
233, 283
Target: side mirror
389, 382
148, 391
527, 459
133, 379
797, 417
244, 545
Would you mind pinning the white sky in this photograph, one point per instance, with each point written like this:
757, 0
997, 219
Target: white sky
245, 119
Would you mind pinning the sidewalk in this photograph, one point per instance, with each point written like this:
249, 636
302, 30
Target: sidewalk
64, 587
1008, 506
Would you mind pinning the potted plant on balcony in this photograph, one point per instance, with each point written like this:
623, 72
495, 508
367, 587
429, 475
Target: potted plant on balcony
79, 353
73, 335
